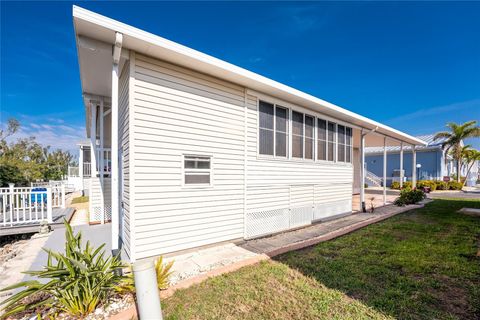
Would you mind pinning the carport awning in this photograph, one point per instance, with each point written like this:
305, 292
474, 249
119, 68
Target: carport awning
100, 28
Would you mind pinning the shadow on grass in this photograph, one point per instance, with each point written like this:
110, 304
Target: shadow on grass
422, 264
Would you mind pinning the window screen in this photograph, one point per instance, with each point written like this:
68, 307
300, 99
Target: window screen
197, 169
281, 131
266, 128
297, 134
321, 139
309, 127
348, 154
341, 143
332, 134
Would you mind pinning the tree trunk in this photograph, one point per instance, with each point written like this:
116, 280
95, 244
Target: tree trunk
459, 166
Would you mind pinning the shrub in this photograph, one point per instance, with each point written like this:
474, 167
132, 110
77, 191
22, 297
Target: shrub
427, 184
163, 277
407, 185
77, 281
454, 185
409, 197
395, 185
441, 185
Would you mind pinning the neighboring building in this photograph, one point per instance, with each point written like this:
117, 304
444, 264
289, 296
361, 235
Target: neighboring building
201, 151
434, 164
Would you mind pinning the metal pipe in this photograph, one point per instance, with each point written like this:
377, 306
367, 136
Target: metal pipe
146, 288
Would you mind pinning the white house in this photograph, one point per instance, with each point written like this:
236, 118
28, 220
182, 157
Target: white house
203, 151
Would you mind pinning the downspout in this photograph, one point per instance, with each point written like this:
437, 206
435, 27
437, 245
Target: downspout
117, 50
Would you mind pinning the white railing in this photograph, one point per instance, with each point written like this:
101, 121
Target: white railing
87, 169
104, 166
26, 205
73, 172
376, 180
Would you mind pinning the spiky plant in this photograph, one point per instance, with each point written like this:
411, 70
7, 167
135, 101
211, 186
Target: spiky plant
76, 281
454, 137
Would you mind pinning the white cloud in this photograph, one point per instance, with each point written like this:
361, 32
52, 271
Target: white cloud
470, 105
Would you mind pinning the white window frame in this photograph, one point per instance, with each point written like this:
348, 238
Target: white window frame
305, 137
288, 133
290, 109
197, 171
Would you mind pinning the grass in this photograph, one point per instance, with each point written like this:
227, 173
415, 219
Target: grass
422, 264
81, 199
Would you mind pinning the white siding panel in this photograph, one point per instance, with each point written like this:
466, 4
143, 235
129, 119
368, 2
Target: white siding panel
179, 112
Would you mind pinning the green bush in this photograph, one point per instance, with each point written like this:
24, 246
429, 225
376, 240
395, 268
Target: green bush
427, 184
408, 196
454, 185
77, 281
162, 270
441, 185
407, 185
395, 185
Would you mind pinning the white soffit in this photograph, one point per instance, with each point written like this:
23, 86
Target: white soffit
96, 26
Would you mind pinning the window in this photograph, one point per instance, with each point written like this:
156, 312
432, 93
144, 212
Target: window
197, 170
281, 131
266, 128
273, 130
297, 134
348, 145
321, 139
341, 143
309, 127
332, 130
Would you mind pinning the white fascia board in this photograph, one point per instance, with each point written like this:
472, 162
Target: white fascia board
155, 46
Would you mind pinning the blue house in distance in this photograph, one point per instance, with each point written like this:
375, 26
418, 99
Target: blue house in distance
431, 158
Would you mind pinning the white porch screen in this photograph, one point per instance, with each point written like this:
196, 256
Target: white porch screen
321, 139
332, 135
297, 134
273, 130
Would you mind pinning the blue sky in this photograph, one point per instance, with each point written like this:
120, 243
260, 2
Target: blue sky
413, 66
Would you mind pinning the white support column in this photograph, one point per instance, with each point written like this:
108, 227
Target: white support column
102, 162
401, 165
414, 167
114, 142
384, 170
80, 169
93, 139
362, 172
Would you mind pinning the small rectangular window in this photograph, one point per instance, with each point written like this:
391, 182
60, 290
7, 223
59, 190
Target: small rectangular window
341, 143
309, 127
297, 134
349, 145
266, 128
197, 170
281, 131
321, 139
332, 134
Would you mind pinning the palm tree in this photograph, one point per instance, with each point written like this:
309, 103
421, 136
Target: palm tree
454, 138
470, 156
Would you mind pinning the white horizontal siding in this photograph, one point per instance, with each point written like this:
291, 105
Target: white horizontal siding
176, 112
124, 143
294, 185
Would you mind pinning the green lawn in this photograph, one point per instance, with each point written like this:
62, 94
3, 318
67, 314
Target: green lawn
419, 265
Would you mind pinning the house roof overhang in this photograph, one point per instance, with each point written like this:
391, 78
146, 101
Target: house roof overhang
95, 72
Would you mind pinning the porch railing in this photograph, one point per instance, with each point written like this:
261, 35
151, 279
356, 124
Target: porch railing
29, 205
73, 172
106, 155
87, 169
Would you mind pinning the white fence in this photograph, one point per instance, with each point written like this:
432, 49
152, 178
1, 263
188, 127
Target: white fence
26, 205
